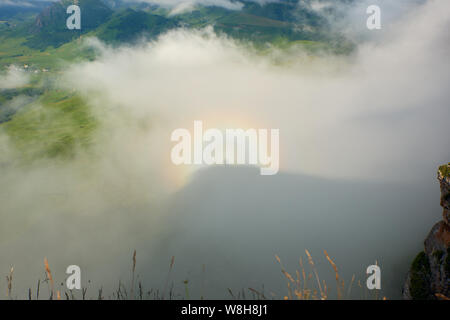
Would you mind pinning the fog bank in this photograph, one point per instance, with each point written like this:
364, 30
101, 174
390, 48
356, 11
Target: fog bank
361, 139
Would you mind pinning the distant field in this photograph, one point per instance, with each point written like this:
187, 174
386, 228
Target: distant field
13, 51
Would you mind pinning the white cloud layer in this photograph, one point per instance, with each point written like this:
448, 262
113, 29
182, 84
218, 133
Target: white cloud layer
358, 117
13, 78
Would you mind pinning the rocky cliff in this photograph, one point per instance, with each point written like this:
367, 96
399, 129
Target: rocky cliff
429, 276
50, 28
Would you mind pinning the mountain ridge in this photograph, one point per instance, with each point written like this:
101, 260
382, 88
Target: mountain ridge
124, 23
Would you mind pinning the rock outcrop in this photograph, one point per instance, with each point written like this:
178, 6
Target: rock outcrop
429, 276
50, 26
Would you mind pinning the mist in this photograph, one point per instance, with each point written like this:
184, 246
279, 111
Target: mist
361, 138
13, 77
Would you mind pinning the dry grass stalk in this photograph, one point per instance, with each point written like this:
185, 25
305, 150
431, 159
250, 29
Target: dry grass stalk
100, 294
350, 286
333, 265
9, 280
258, 294
311, 262
140, 291
317, 290
303, 273
287, 276
49, 277
172, 261
132, 276
295, 288
289, 290
440, 296
38, 289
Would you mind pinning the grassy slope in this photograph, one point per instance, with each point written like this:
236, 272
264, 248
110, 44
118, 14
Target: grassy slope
128, 25
13, 51
53, 126
55, 123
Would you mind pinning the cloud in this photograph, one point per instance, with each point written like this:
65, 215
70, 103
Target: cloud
232, 5
180, 6
371, 110
15, 3
14, 77
350, 17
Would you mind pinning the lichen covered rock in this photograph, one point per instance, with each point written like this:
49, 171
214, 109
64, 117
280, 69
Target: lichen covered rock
429, 275
444, 180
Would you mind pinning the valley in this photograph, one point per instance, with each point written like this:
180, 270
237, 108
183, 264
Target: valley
40, 44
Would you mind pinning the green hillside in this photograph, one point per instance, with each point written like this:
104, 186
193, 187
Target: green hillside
255, 22
52, 126
129, 24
